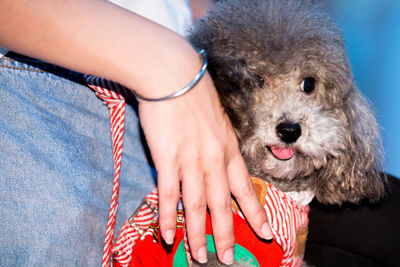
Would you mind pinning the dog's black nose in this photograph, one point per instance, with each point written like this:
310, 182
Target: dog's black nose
288, 132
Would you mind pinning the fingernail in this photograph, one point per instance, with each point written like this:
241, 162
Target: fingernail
228, 256
169, 237
266, 231
202, 254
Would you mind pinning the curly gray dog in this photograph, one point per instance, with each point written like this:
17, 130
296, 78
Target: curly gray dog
283, 76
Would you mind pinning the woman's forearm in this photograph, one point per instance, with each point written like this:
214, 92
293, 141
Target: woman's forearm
99, 38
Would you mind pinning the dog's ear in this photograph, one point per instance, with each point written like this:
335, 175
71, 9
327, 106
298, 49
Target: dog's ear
356, 173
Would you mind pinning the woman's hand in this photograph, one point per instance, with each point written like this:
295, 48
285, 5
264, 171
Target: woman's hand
192, 142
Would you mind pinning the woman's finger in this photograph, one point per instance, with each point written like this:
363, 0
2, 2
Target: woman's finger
219, 203
168, 190
195, 204
243, 190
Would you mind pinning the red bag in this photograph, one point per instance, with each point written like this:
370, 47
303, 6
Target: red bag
139, 242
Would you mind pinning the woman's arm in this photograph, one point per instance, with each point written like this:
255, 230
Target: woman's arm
99, 38
190, 138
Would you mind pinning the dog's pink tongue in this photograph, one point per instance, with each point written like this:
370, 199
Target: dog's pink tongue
283, 153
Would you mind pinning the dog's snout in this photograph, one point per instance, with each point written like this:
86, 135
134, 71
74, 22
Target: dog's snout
288, 132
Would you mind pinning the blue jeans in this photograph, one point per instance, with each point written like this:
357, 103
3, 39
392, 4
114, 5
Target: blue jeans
56, 166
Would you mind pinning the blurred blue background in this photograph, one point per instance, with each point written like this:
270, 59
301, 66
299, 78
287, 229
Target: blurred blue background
372, 32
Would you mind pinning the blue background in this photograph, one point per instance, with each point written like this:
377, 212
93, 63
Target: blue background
372, 32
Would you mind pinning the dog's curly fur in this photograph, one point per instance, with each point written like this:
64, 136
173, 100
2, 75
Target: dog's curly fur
260, 52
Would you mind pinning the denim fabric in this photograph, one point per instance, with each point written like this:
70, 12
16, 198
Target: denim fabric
56, 167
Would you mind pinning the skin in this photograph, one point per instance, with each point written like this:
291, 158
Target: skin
190, 138
200, 7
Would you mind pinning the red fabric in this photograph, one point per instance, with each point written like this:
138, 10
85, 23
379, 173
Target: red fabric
139, 244
150, 251
267, 254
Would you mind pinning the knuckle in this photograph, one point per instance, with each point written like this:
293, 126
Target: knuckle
222, 206
198, 205
191, 159
196, 238
168, 195
246, 192
167, 220
216, 154
224, 240
187, 151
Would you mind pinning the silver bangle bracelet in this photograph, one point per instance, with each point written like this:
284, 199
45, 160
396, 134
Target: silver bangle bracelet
184, 89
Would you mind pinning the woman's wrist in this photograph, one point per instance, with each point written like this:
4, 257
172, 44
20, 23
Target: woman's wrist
165, 72
181, 91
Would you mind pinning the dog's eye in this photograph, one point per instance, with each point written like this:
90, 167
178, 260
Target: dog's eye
308, 85
259, 80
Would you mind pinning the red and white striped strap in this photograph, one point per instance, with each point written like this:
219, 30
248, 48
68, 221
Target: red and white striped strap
113, 96
285, 216
134, 228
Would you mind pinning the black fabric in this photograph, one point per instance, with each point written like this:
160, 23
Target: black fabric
356, 235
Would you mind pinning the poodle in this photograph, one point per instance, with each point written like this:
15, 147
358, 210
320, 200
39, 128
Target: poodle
282, 73
283, 77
